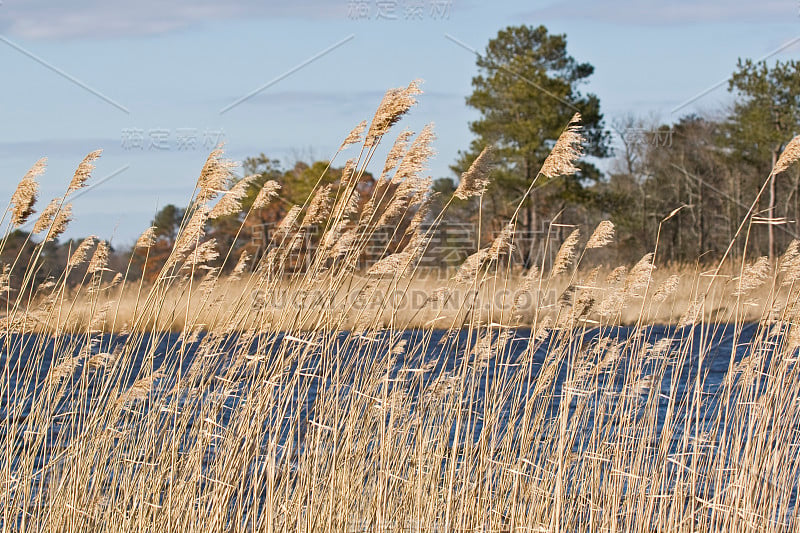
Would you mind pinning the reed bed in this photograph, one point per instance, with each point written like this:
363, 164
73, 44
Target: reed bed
417, 305
208, 407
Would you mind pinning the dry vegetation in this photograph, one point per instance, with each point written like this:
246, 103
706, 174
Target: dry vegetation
419, 303
326, 412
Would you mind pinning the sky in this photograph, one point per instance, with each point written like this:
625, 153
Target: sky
157, 85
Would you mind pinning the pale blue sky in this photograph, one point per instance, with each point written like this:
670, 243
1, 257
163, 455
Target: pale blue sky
174, 68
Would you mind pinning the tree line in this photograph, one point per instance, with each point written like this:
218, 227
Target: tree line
705, 171
685, 186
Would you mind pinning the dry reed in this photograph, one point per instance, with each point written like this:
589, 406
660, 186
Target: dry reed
330, 399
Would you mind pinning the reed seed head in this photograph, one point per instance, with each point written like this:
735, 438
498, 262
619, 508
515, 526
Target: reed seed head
417, 156
667, 288
46, 217
241, 264
231, 201
80, 253
396, 153
24, 196
392, 265
99, 258
289, 222
354, 136
503, 244
193, 231
475, 180
147, 238
267, 193
602, 236
215, 176
566, 253
789, 155
395, 104
83, 172
471, 266
640, 275
567, 150
753, 276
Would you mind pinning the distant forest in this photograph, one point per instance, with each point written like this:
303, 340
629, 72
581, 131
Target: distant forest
687, 183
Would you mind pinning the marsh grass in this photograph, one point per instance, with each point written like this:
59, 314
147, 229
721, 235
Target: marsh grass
345, 410
430, 299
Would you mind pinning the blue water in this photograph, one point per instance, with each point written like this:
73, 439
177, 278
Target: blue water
695, 365
168, 354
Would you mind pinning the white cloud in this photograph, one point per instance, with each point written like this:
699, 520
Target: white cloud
672, 11
55, 147
50, 19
